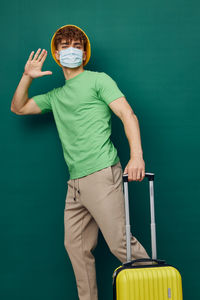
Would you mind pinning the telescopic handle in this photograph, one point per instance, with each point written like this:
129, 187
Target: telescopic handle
150, 177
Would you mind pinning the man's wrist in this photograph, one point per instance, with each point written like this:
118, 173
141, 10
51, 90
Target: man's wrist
27, 75
137, 155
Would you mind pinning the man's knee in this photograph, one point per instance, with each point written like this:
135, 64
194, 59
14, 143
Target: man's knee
71, 243
116, 246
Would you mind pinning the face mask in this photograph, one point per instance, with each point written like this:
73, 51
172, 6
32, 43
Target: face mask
71, 57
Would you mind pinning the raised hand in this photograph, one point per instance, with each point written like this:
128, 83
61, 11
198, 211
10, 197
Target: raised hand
33, 67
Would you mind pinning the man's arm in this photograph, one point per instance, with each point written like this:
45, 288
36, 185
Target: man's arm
21, 104
136, 166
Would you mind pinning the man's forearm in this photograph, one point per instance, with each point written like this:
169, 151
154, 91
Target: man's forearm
20, 97
132, 130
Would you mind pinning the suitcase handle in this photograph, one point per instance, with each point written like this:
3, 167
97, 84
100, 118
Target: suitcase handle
150, 177
159, 261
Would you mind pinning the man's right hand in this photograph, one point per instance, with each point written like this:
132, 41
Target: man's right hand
33, 66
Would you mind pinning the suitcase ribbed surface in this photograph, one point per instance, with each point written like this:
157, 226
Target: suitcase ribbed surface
154, 283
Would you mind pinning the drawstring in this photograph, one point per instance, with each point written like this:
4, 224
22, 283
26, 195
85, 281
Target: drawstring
75, 188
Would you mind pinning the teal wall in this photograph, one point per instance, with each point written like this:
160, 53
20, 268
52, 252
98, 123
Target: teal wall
151, 48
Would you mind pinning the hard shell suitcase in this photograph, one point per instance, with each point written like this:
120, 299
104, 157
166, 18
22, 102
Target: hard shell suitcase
154, 281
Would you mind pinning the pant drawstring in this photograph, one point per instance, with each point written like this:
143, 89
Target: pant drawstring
74, 188
78, 186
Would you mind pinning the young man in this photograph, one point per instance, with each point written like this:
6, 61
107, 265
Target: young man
82, 112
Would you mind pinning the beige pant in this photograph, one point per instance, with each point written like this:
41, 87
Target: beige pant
98, 204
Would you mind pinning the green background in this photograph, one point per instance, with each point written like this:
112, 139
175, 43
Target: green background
151, 49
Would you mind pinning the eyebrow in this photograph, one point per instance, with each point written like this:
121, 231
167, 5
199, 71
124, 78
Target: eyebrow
78, 43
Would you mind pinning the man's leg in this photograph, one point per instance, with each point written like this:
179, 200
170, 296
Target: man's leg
102, 195
81, 236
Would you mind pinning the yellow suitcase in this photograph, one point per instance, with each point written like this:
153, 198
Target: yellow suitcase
154, 281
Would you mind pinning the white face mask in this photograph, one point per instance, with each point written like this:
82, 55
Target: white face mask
71, 57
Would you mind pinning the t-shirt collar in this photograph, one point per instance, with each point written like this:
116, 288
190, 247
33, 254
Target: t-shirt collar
67, 80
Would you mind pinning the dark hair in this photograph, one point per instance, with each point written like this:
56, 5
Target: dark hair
70, 33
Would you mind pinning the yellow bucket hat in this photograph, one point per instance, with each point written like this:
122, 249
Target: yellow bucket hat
88, 47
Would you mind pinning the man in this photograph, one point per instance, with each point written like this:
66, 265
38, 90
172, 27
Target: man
82, 112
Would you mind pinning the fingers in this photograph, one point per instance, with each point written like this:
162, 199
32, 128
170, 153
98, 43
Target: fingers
36, 54
42, 55
136, 174
30, 56
143, 175
132, 174
40, 58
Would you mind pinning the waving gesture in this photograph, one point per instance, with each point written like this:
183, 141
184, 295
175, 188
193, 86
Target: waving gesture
33, 66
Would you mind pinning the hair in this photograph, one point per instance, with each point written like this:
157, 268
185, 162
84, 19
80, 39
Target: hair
70, 33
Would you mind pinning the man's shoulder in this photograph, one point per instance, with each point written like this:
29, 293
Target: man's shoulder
56, 90
93, 77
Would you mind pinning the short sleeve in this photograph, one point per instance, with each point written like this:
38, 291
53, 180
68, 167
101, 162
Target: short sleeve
107, 88
44, 101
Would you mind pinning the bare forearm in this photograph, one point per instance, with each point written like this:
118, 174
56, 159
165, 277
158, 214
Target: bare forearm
20, 96
132, 130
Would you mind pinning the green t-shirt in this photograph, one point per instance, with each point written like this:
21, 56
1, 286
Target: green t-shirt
83, 120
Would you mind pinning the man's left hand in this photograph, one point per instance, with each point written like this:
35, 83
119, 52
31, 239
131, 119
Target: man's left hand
135, 169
